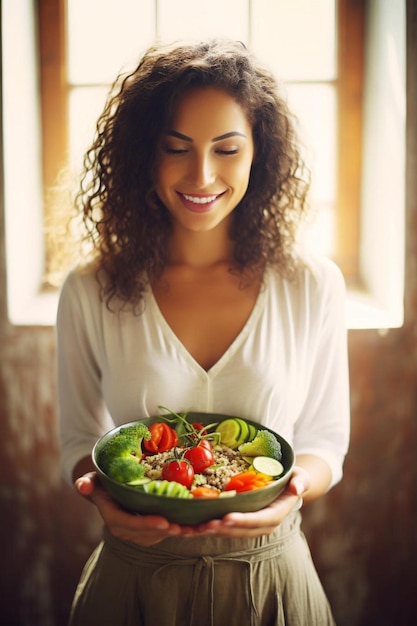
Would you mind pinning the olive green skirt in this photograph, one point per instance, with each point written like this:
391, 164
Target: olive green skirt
203, 581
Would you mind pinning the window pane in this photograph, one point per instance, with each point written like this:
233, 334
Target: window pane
295, 37
315, 108
104, 36
85, 105
282, 33
203, 18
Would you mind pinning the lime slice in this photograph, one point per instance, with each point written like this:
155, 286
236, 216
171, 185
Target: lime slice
267, 465
229, 430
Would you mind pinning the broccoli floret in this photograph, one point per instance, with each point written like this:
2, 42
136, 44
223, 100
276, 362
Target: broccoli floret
264, 444
126, 469
125, 445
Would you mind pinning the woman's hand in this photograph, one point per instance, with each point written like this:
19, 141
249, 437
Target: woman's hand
143, 530
265, 521
310, 479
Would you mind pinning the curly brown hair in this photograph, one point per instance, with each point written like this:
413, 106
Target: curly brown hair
126, 222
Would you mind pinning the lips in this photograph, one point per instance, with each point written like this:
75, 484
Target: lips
200, 199
199, 203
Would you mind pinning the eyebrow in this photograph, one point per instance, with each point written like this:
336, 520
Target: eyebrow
233, 133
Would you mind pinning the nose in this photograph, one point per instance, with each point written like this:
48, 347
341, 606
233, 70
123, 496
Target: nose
203, 171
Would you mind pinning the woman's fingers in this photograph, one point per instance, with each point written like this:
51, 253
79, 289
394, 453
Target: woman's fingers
299, 482
89, 486
147, 529
265, 521
86, 484
140, 529
261, 522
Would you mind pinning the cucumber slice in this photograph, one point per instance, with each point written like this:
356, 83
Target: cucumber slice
151, 486
162, 487
229, 430
227, 494
244, 431
253, 431
173, 489
267, 465
184, 493
138, 482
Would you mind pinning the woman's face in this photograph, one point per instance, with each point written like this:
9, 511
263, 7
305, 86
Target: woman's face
205, 159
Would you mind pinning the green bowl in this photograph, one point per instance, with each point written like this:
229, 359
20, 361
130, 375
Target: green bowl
194, 511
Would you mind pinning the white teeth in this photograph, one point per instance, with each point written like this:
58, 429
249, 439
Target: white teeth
200, 199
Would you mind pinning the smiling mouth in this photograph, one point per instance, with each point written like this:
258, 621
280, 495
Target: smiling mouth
201, 199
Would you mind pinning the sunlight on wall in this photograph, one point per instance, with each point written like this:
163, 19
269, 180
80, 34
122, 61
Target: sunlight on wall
383, 197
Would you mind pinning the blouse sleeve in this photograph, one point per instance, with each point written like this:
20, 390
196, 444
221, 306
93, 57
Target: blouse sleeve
323, 425
83, 416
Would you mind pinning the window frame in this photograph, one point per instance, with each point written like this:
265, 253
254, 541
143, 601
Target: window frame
349, 85
351, 63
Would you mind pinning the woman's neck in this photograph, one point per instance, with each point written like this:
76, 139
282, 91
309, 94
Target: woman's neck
200, 250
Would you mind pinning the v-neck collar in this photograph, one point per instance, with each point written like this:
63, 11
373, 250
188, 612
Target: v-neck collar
230, 351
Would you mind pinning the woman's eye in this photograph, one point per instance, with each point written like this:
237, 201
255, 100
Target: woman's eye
175, 150
229, 152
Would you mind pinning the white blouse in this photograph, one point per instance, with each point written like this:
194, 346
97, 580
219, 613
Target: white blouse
287, 368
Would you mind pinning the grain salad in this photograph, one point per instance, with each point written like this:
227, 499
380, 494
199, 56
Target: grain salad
227, 463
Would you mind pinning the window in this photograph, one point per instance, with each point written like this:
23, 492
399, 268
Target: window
315, 47
77, 63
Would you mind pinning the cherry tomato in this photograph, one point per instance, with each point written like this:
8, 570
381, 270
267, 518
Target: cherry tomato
199, 427
180, 471
197, 430
206, 443
163, 438
200, 458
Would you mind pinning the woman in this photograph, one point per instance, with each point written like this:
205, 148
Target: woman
196, 299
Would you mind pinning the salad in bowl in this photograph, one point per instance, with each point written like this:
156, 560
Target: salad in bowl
192, 467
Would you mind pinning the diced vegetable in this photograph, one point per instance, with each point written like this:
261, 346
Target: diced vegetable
247, 481
205, 492
166, 488
163, 438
